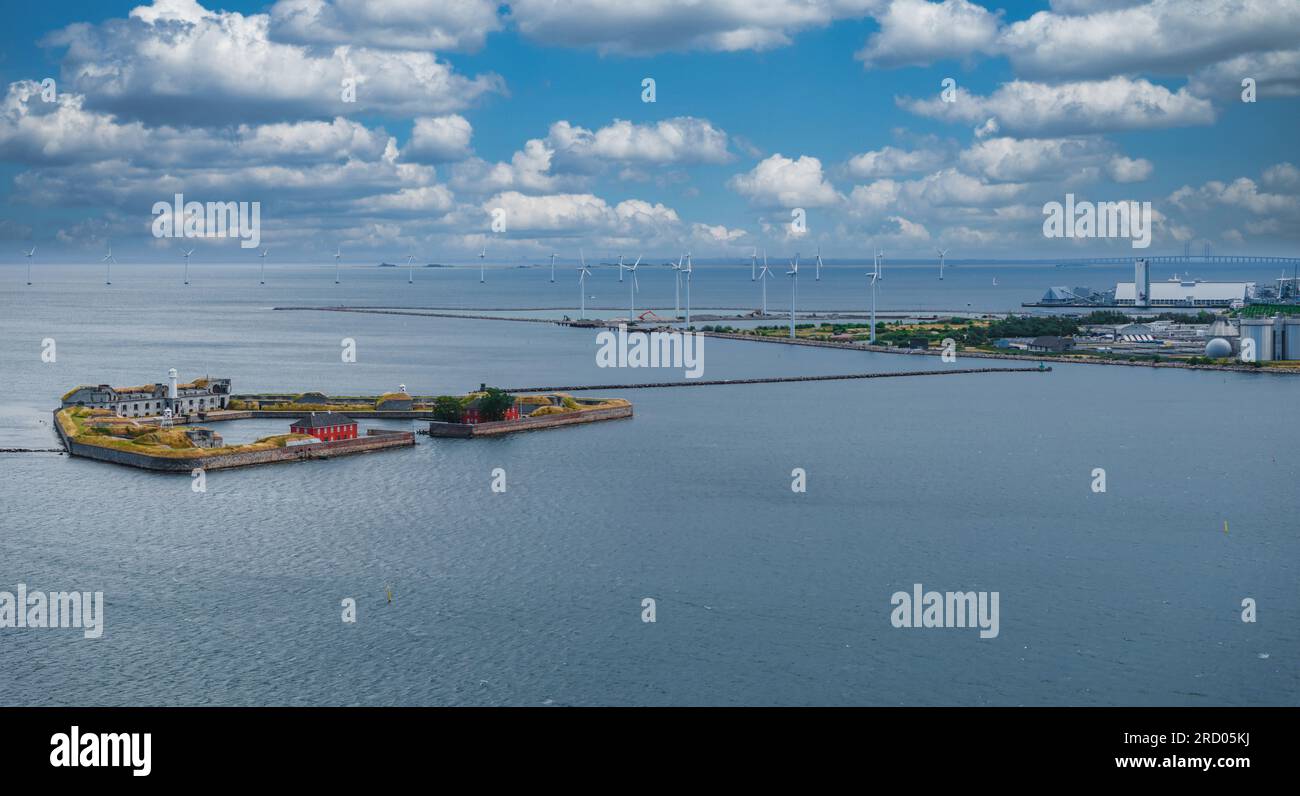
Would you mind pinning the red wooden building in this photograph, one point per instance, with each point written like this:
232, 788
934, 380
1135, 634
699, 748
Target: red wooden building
326, 426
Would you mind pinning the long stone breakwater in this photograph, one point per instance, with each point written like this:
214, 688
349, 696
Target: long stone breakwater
777, 379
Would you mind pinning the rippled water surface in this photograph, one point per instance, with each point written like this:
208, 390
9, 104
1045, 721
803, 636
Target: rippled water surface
764, 596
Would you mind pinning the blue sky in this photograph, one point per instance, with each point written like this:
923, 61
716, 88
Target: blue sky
832, 107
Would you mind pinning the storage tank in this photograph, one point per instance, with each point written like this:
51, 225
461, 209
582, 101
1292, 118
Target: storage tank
1260, 330
1218, 348
1291, 338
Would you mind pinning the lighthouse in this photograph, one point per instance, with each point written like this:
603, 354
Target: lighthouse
171, 390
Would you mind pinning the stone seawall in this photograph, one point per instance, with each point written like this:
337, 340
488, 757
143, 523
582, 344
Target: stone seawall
467, 430
373, 441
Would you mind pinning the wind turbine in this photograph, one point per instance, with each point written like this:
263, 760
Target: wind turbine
29, 265
338, 256
819, 264
880, 266
874, 275
583, 273
631, 306
690, 269
942, 253
481, 256
620, 269
262, 257
764, 275
794, 289
410, 266
553, 256
108, 267
677, 285
186, 255
753, 265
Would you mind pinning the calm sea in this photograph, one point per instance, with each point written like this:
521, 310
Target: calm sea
533, 596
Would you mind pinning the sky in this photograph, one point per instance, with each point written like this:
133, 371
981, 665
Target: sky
523, 127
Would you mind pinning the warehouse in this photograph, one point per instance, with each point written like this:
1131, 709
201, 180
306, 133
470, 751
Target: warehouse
1185, 292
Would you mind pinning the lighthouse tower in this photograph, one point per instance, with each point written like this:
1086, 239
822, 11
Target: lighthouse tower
171, 390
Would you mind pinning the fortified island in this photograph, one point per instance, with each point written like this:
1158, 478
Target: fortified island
153, 427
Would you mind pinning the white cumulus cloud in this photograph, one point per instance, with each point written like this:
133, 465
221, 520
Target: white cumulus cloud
779, 181
1097, 106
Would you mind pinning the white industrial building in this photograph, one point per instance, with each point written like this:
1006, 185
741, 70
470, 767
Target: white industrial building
1185, 292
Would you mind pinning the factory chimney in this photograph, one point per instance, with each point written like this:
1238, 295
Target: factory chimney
1141, 283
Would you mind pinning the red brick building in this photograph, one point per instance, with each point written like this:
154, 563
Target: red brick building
326, 426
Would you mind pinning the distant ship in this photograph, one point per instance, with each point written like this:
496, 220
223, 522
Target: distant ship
995, 281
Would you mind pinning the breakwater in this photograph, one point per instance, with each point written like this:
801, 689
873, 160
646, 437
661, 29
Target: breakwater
777, 379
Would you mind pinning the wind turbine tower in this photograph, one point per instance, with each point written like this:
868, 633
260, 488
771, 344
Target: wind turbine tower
583, 273
874, 276
690, 271
631, 305
794, 289
108, 266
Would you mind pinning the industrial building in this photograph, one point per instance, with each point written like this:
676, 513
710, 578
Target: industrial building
1271, 338
1184, 292
200, 395
1143, 294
